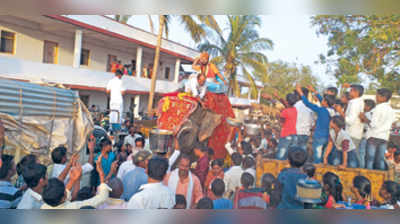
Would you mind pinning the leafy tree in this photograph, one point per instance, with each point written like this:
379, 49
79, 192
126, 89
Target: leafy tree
283, 77
238, 50
368, 45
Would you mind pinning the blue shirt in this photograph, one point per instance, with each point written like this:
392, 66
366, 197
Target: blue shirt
9, 195
222, 203
323, 119
289, 178
106, 163
132, 182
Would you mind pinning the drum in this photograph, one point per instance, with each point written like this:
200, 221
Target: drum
161, 141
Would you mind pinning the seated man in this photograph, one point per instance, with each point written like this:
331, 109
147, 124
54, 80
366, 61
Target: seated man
196, 86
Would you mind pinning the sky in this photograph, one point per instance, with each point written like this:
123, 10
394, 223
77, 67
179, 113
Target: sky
295, 40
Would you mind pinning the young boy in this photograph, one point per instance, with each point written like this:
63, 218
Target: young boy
290, 176
218, 189
35, 177
365, 118
248, 197
309, 170
288, 133
345, 150
203, 163
383, 116
321, 133
355, 107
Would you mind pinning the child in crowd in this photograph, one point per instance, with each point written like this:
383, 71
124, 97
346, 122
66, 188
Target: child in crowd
321, 133
216, 172
290, 176
332, 191
288, 132
35, 177
345, 150
270, 151
390, 192
383, 116
392, 159
26, 161
365, 118
218, 189
180, 202
272, 190
203, 162
309, 170
248, 197
339, 108
362, 191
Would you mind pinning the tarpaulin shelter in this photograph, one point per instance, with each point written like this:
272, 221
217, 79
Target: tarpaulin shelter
38, 118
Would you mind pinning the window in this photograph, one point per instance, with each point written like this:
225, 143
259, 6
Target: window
110, 60
7, 42
50, 52
85, 53
85, 100
166, 75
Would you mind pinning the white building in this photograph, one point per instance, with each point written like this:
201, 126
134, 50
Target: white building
77, 51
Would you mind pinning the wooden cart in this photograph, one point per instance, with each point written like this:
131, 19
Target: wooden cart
346, 175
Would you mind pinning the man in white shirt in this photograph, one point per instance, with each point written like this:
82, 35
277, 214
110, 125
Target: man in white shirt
354, 125
35, 177
154, 195
233, 175
116, 90
383, 117
304, 123
196, 85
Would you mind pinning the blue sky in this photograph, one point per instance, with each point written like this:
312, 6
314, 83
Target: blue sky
295, 41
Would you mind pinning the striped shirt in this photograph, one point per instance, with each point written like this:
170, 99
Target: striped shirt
9, 195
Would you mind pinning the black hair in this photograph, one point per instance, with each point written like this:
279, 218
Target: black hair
369, 103
140, 139
273, 188
363, 185
157, 168
218, 187
237, 159
339, 102
291, 99
347, 95
385, 93
309, 169
54, 192
7, 165
246, 147
28, 159
330, 100
58, 154
248, 162
33, 173
339, 121
180, 200
105, 142
119, 72
393, 189
305, 91
334, 90
201, 147
218, 162
274, 141
205, 203
247, 180
297, 157
335, 187
85, 193
358, 88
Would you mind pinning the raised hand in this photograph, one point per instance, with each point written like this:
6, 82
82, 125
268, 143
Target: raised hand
311, 88
76, 172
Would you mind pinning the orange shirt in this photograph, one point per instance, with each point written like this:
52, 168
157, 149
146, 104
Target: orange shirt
212, 70
183, 186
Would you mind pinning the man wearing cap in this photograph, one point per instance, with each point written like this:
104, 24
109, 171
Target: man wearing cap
136, 177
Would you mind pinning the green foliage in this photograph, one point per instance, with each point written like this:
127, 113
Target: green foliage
238, 50
283, 77
362, 45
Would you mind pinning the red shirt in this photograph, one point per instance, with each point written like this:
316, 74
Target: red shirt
201, 170
289, 124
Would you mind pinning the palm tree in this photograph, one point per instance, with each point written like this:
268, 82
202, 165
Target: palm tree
239, 50
196, 30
